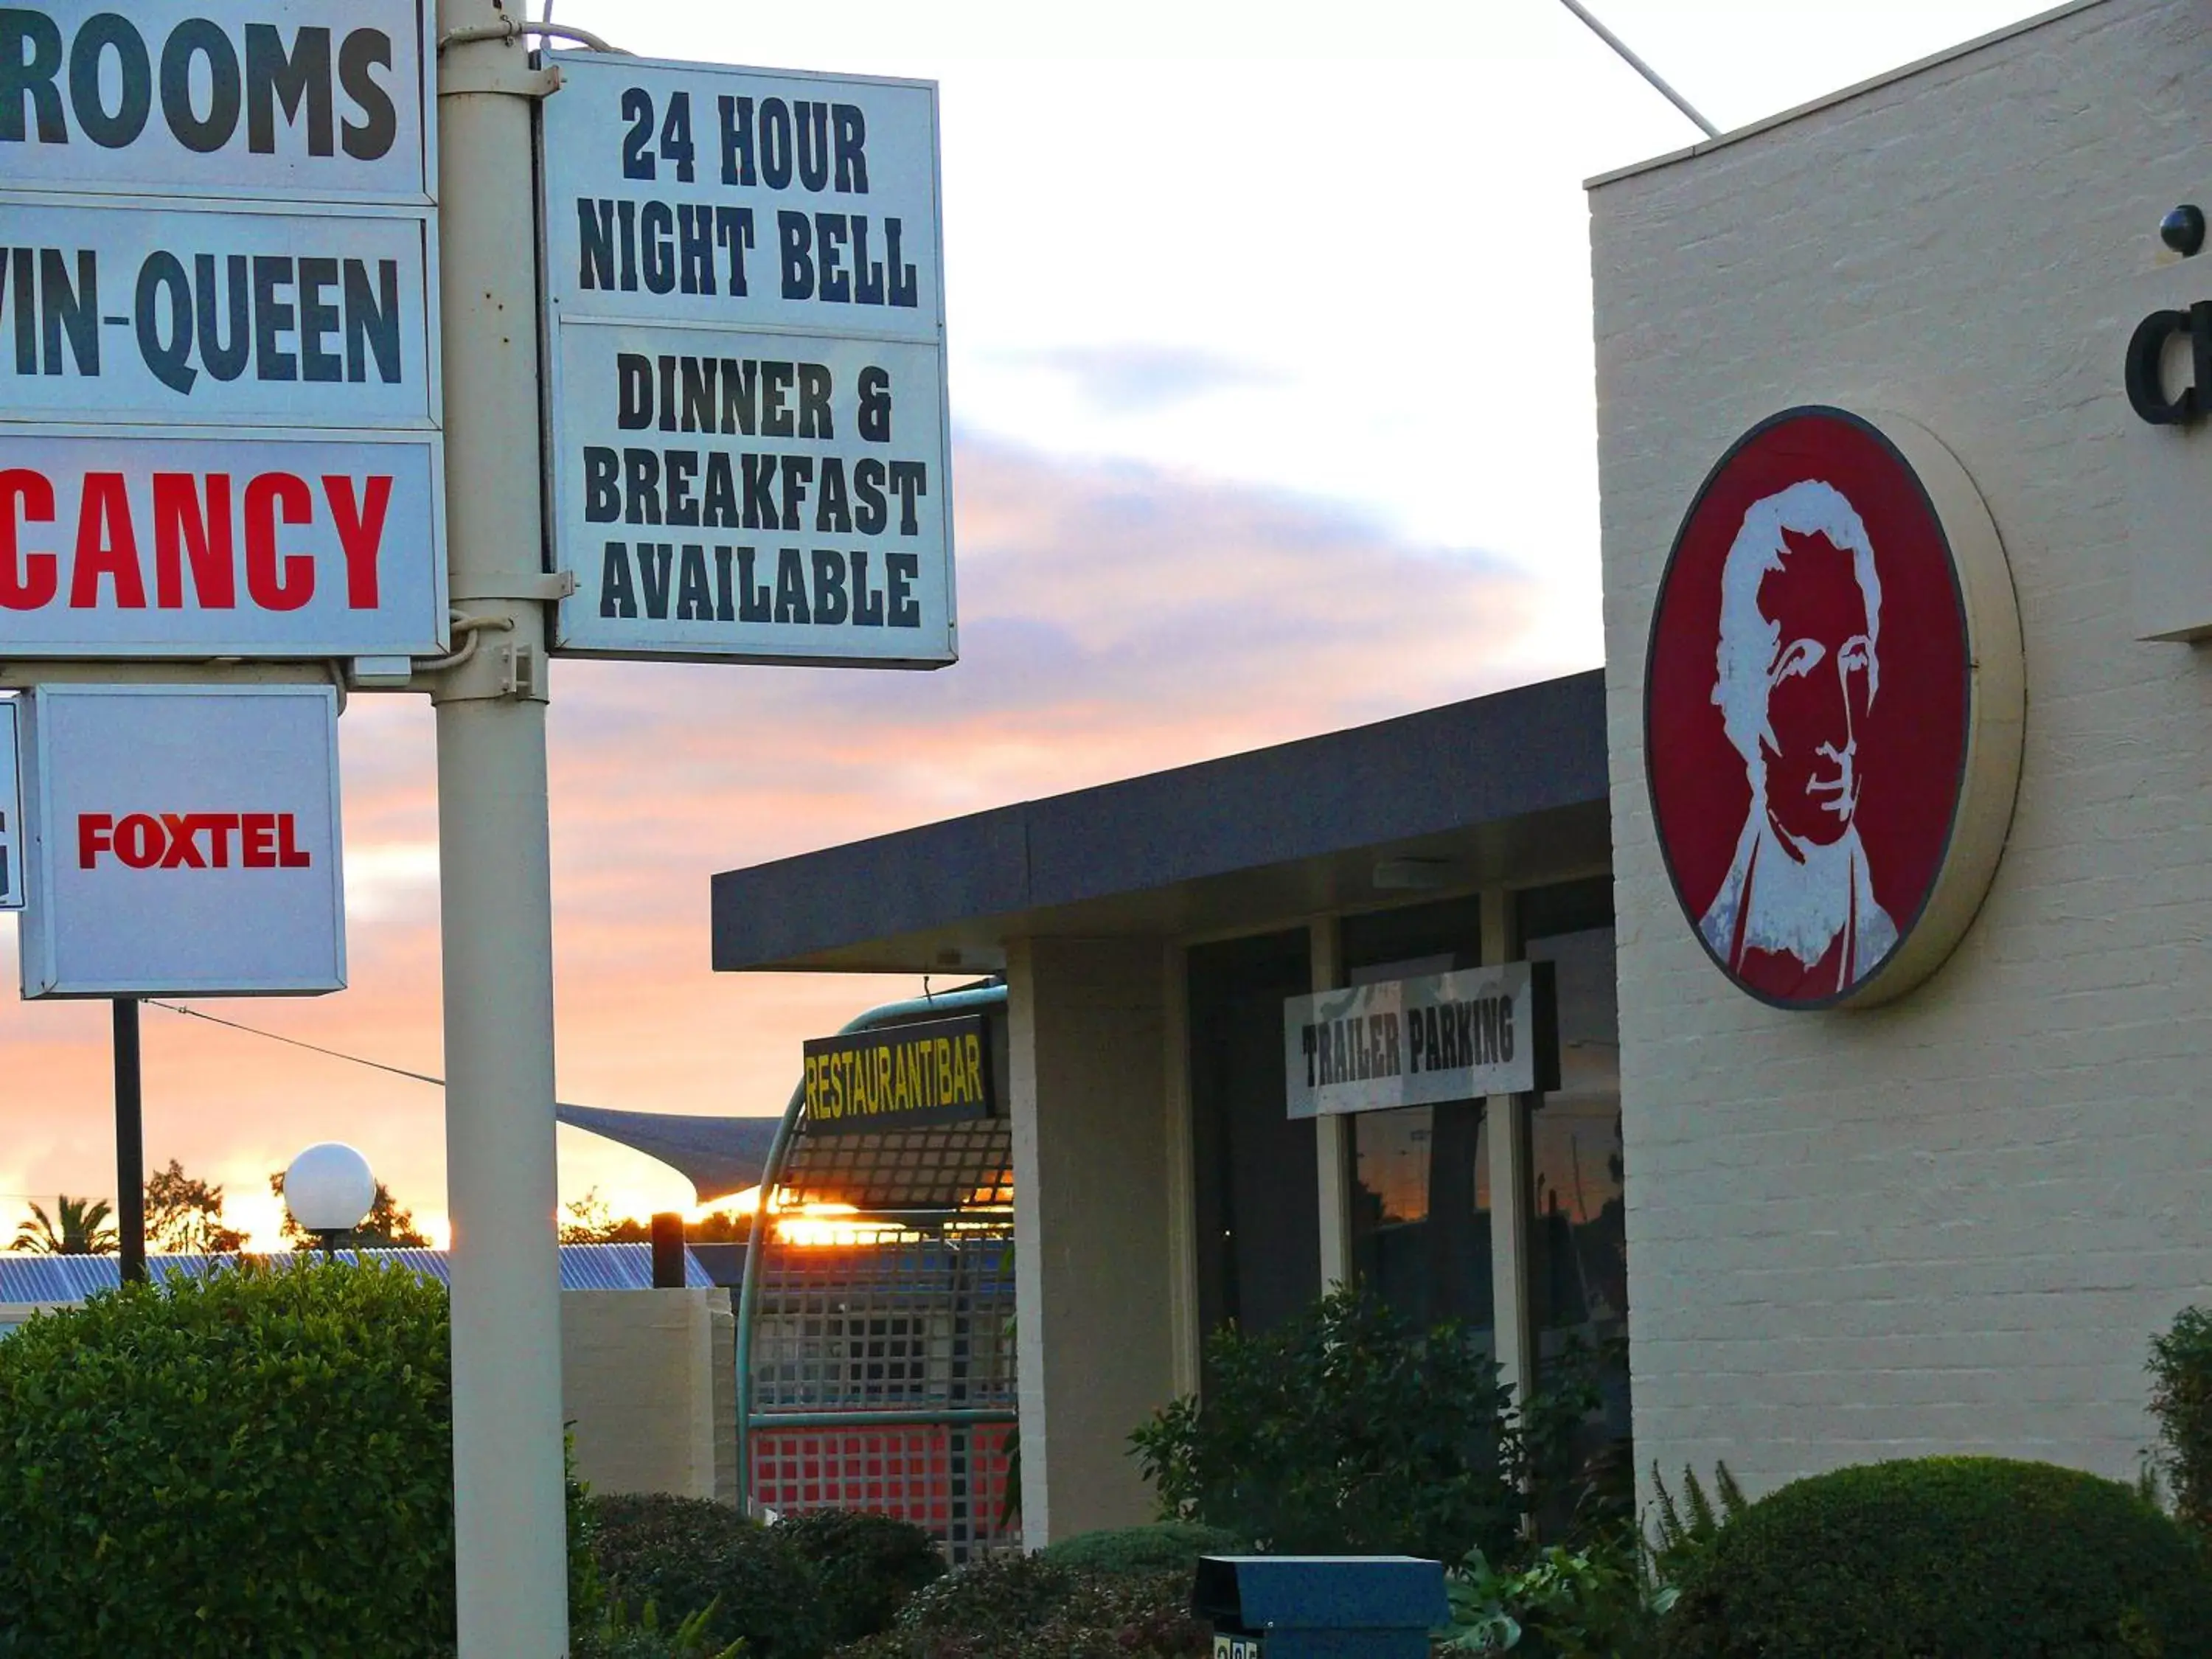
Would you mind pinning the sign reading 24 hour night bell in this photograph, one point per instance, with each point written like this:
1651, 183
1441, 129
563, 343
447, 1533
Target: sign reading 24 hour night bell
182, 841
219, 399
746, 349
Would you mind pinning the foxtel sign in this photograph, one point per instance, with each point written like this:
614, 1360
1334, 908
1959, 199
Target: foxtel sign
183, 842
209, 547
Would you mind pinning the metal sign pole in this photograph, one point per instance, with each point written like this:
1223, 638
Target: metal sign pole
494, 863
129, 1144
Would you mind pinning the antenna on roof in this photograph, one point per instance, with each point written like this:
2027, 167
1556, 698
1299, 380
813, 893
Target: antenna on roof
1642, 68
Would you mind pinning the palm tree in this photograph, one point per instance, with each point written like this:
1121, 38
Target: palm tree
83, 1230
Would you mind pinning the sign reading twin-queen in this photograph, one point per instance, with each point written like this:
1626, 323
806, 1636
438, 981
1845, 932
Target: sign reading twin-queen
1832, 708
746, 350
219, 400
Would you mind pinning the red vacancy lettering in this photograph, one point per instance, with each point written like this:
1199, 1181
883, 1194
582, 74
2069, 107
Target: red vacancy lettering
196, 541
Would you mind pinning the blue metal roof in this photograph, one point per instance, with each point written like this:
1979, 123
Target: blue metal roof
26, 1278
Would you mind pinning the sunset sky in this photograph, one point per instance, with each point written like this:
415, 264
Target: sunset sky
1271, 383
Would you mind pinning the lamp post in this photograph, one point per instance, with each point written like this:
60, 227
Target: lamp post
328, 1189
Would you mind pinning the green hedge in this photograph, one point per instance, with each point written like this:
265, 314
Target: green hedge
1164, 1546
257, 1462
868, 1565
684, 1554
1947, 1558
1028, 1607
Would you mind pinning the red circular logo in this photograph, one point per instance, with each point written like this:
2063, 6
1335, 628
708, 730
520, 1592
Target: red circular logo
1806, 707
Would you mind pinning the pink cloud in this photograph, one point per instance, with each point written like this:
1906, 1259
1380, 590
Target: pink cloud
1116, 619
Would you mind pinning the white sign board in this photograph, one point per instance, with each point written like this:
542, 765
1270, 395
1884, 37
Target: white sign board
751, 454
115, 545
11, 812
321, 99
1421, 1042
183, 842
219, 332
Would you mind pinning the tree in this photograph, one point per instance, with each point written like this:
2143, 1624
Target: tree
387, 1226
184, 1215
84, 1229
591, 1222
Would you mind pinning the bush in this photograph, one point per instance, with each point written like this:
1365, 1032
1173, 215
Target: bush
686, 1554
866, 1565
1017, 1606
2181, 1400
256, 1462
1345, 1430
1164, 1546
1954, 1558
1595, 1603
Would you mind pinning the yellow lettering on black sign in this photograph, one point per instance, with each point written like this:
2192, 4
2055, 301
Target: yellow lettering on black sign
927, 1072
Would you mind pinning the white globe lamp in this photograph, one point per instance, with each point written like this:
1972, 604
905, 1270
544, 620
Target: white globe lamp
328, 1189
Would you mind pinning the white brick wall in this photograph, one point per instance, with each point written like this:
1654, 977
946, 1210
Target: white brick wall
1951, 1223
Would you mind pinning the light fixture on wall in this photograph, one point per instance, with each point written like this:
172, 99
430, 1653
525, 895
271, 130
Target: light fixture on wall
2182, 229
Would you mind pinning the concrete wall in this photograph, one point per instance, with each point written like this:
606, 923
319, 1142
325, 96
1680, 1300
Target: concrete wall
1951, 1223
1095, 1260
649, 1381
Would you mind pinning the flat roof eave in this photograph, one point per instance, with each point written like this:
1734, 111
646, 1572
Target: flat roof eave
1498, 788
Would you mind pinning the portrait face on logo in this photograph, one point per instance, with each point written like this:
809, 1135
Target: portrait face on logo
1808, 706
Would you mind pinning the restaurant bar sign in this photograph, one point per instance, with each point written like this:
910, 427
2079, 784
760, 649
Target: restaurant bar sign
1418, 1041
902, 1076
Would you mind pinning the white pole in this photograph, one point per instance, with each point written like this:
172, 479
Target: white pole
494, 868
1621, 49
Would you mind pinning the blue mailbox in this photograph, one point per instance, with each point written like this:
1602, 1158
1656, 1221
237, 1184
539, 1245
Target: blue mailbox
1320, 1606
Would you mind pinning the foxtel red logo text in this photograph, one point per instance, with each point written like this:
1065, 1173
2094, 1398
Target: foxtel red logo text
191, 840
198, 524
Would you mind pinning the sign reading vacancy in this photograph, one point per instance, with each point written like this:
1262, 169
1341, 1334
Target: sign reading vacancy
184, 841
219, 402
751, 453
1418, 1041
936, 1070
11, 810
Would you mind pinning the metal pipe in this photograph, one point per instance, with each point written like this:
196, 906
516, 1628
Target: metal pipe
496, 897
1628, 57
130, 1144
890, 1013
951, 1417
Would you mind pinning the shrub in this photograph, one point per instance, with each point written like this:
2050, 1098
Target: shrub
256, 1462
1346, 1431
2181, 1400
1164, 1546
687, 1554
1964, 1558
1595, 1603
618, 1637
868, 1565
1016, 1607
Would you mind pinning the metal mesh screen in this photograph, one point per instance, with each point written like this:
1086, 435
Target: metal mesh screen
949, 1166
907, 1321
909, 1310
951, 1479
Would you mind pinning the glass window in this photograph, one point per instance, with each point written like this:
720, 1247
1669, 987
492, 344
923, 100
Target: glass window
1578, 1243
1420, 1210
1258, 1186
